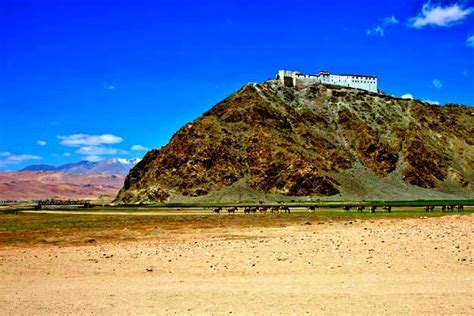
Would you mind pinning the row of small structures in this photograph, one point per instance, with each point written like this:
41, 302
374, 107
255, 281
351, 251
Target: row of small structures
41, 203
8, 201
359, 209
257, 209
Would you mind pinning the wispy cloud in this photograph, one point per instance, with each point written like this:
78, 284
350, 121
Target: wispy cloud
93, 146
67, 154
10, 159
470, 41
99, 150
407, 96
93, 158
438, 15
390, 20
77, 140
95, 153
41, 142
108, 85
379, 30
139, 148
431, 102
376, 30
437, 83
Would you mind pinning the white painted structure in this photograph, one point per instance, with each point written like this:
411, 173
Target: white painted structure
297, 79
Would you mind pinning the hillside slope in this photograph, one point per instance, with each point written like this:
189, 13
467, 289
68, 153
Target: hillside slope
33, 185
270, 142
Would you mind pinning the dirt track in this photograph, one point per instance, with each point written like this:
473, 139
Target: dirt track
389, 266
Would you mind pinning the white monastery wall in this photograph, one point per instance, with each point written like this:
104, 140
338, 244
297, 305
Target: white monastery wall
297, 79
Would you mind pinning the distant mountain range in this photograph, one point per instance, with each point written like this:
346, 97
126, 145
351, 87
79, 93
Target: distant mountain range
107, 166
33, 185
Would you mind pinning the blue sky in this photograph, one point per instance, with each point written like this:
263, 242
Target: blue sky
83, 79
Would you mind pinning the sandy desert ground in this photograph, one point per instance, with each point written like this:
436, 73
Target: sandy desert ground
32, 185
380, 266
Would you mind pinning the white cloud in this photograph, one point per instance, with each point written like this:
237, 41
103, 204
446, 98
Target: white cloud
431, 102
95, 153
379, 30
437, 83
92, 146
10, 159
390, 20
67, 154
77, 140
93, 158
41, 142
407, 96
20, 158
108, 86
437, 15
470, 41
139, 148
99, 150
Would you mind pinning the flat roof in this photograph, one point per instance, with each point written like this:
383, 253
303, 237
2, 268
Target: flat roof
352, 75
327, 72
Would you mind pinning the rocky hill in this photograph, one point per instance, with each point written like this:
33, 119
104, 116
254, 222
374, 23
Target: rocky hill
269, 142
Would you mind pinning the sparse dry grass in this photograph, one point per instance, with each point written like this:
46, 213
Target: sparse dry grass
74, 228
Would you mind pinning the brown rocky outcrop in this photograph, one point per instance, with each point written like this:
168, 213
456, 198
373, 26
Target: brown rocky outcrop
288, 142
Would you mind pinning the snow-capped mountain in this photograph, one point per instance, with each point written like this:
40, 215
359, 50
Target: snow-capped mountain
107, 166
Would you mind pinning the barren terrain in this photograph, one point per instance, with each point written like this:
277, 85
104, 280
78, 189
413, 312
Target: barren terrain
238, 264
31, 185
267, 142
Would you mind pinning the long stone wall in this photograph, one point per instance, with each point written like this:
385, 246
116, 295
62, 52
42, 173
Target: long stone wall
299, 80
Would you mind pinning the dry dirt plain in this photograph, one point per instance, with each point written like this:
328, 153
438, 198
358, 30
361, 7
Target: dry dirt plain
239, 265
